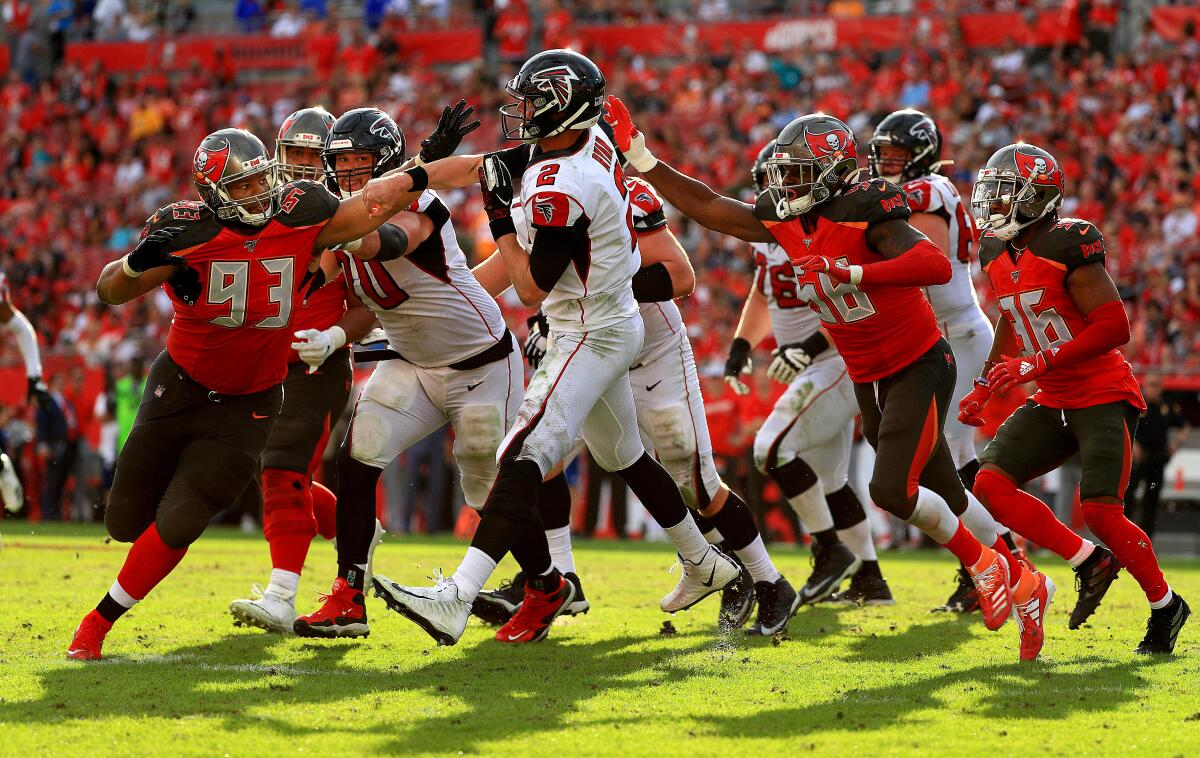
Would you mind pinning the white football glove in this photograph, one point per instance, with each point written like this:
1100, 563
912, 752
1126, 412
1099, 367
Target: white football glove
314, 345
789, 361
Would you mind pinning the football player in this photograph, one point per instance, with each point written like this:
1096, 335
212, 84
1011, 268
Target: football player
583, 257
804, 445
1062, 326
11, 490
295, 508
862, 266
213, 395
906, 150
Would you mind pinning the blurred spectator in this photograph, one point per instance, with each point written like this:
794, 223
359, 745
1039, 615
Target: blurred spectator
108, 16
59, 14
250, 16
512, 30
1161, 431
57, 435
288, 23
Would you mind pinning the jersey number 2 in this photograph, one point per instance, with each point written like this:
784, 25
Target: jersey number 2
229, 282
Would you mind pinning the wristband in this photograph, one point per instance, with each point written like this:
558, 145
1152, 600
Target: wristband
856, 273
502, 226
638, 155
815, 344
129, 270
420, 179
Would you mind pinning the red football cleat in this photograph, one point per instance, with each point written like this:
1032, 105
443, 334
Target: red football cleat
1031, 617
531, 623
89, 638
995, 596
343, 613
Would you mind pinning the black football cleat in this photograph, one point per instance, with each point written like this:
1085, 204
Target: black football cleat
1163, 628
831, 566
497, 606
777, 603
737, 601
865, 590
964, 599
1093, 577
579, 604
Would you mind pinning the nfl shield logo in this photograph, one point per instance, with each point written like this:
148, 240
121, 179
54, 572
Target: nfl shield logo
159, 390
1015, 274
250, 245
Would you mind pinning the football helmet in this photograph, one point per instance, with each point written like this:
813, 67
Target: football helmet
307, 127
554, 90
226, 157
758, 172
1018, 185
913, 130
813, 155
362, 130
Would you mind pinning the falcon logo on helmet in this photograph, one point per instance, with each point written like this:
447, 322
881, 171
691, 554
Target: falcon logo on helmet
210, 164
557, 83
385, 128
925, 131
834, 144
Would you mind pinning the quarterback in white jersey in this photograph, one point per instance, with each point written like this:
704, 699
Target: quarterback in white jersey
582, 257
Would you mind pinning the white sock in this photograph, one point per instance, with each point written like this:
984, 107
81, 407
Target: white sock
858, 539
812, 509
1164, 602
1001, 529
283, 583
1085, 552
123, 598
560, 549
714, 536
474, 570
932, 516
980, 522
688, 541
757, 562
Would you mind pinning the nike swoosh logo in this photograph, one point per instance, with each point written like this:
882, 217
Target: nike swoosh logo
512, 637
471, 387
256, 416
650, 387
711, 574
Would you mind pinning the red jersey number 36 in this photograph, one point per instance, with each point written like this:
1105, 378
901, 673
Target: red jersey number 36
229, 282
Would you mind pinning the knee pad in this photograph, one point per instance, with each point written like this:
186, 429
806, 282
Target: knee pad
794, 477
889, 492
369, 433
324, 505
476, 476
287, 504
124, 526
672, 431
515, 492
478, 431
180, 527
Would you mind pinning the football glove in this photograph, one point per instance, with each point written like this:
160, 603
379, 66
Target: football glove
738, 362
789, 360
1010, 372
38, 392
630, 141
314, 345
495, 183
838, 270
970, 406
310, 283
185, 283
535, 343
151, 252
449, 132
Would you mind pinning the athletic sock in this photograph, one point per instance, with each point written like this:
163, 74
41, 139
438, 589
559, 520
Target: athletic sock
289, 551
148, 562
1130, 545
933, 517
474, 570
1164, 601
710, 532
858, 538
850, 520
756, 560
1085, 551
1015, 569
979, 521
325, 510
559, 542
355, 511
355, 574
688, 541
659, 494
1027, 516
554, 506
283, 583
1007, 535
804, 493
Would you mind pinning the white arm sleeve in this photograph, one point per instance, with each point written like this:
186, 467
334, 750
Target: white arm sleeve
27, 341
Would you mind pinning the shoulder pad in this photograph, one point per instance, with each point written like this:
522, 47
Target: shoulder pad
764, 209
648, 213
1071, 242
198, 222
922, 196
305, 203
873, 201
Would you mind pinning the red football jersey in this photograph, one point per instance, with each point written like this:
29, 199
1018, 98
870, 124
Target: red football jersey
1032, 292
877, 333
321, 311
236, 338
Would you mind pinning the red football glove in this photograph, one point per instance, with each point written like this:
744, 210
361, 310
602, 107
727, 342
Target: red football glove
970, 406
1010, 372
617, 116
839, 271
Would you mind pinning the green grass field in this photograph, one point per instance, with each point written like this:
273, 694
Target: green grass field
180, 679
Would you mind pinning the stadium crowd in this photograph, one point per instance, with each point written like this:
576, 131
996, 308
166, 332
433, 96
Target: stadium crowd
85, 156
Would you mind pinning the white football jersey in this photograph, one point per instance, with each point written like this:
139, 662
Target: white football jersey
955, 300
433, 310
792, 320
664, 322
584, 185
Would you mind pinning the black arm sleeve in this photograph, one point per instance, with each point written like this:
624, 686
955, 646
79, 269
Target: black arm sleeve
652, 284
393, 243
815, 344
555, 248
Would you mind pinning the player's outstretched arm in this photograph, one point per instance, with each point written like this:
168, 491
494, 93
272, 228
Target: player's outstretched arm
398, 237
666, 271
912, 260
143, 269
755, 322
492, 275
355, 219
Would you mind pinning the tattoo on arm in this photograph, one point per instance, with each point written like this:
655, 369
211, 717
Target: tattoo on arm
893, 238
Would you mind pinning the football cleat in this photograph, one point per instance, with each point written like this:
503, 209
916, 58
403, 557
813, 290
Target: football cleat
579, 604
531, 622
343, 613
1031, 617
1093, 577
497, 606
12, 492
777, 603
831, 566
737, 600
89, 638
375, 540
992, 584
437, 609
864, 590
965, 598
1162, 630
273, 610
699, 580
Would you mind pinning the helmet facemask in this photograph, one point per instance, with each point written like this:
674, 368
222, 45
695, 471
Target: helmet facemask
290, 171
796, 185
517, 118
255, 210
340, 180
1003, 203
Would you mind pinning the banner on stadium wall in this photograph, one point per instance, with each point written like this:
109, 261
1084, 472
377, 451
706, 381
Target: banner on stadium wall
1169, 22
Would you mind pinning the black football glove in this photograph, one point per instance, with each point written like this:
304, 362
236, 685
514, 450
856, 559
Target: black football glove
737, 364
38, 392
495, 182
310, 283
451, 129
535, 343
151, 252
186, 285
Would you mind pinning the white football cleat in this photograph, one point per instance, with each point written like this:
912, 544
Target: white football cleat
272, 610
437, 609
700, 580
11, 489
